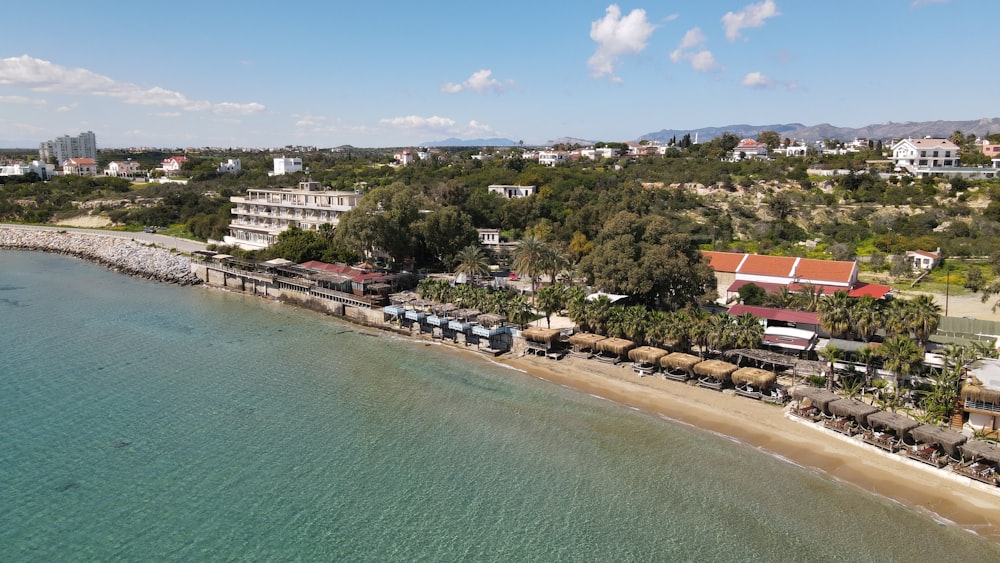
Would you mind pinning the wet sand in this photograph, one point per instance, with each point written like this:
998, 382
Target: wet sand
942, 494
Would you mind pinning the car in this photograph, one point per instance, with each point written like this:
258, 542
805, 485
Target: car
149, 230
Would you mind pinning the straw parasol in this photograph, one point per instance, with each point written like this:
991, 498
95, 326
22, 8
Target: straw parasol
949, 440
648, 354
583, 340
680, 360
853, 408
490, 319
757, 377
539, 334
980, 394
977, 449
716, 369
819, 398
616, 346
898, 423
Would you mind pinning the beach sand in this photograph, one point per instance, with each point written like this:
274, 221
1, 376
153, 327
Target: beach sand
944, 495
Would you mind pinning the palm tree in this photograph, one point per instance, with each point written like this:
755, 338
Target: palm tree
720, 331
700, 329
472, 262
834, 314
868, 355
896, 318
748, 332
784, 299
551, 299
866, 317
808, 297
925, 315
576, 305
529, 258
902, 356
598, 314
831, 354
554, 262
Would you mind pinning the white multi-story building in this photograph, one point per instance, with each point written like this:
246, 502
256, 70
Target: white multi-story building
64, 148
80, 167
230, 166
44, 170
284, 166
261, 215
511, 192
915, 155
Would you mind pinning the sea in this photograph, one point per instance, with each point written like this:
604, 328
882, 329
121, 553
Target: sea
149, 422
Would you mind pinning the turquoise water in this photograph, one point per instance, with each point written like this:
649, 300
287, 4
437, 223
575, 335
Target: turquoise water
143, 421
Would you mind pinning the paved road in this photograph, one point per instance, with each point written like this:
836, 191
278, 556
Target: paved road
163, 241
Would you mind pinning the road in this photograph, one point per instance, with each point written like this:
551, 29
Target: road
163, 241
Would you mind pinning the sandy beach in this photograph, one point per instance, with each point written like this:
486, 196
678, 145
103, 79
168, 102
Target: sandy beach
944, 495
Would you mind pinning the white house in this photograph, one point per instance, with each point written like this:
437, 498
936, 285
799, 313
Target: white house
404, 157
80, 167
551, 158
922, 154
44, 170
122, 169
923, 260
172, 166
489, 237
511, 192
749, 148
982, 401
284, 166
602, 152
230, 166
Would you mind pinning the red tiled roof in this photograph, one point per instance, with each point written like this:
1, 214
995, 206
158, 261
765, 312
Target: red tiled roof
761, 265
81, 162
826, 270
724, 261
771, 314
870, 289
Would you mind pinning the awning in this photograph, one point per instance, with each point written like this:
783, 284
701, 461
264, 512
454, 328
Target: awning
435, 320
480, 330
416, 315
459, 326
394, 310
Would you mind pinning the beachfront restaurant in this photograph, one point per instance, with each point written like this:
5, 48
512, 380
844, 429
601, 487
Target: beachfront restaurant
979, 461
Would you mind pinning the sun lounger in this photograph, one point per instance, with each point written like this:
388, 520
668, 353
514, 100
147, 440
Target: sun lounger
841, 424
883, 440
926, 454
710, 383
977, 470
809, 413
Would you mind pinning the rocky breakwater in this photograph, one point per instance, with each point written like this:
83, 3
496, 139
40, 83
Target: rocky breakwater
117, 253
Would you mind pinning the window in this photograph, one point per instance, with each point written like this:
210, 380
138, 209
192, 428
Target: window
935, 154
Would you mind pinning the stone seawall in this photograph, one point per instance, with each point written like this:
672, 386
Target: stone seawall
119, 254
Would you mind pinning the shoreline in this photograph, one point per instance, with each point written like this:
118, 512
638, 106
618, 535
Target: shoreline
939, 494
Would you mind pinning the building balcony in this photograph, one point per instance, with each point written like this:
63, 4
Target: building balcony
982, 406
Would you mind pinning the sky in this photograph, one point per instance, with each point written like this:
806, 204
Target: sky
390, 74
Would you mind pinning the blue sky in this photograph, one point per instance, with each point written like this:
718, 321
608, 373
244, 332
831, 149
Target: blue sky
387, 73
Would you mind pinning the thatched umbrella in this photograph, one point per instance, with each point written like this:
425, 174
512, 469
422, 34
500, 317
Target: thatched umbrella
948, 440
680, 360
584, 340
977, 449
616, 346
819, 398
980, 394
716, 369
760, 378
539, 334
648, 354
898, 423
853, 408
490, 319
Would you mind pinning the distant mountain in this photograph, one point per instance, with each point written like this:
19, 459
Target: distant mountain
812, 133
570, 141
453, 142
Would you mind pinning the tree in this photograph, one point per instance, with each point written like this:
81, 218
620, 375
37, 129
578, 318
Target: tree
902, 356
529, 258
769, 138
925, 315
445, 231
382, 221
831, 354
472, 262
550, 299
865, 317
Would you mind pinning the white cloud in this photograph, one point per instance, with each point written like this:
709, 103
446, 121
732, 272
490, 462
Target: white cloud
68, 107
45, 76
22, 100
438, 125
701, 60
751, 16
760, 81
480, 81
616, 37
166, 114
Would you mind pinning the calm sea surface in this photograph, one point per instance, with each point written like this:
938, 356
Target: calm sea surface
141, 421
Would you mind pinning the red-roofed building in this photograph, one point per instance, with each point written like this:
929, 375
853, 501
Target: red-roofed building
749, 148
923, 260
80, 167
172, 166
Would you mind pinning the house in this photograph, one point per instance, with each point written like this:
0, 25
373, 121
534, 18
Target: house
284, 166
793, 150
749, 148
733, 270
261, 215
230, 166
991, 150
404, 157
551, 158
923, 260
797, 331
916, 155
981, 395
80, 167
602, 152
489, 237
122, 169
172, 166
511, 192
44, 170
